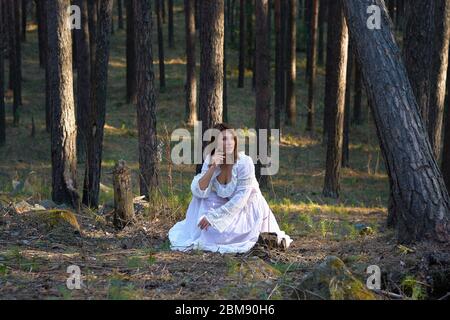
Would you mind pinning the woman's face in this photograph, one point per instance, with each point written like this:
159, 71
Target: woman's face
226, 141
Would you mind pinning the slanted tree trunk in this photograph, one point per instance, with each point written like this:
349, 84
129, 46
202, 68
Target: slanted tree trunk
170, 25
83, 79
242, 47
96, 121
63, 128
291, 110
335, 97
191, 80
123, 195
146, 101
131, 53
263, 90
312, 56
420, 198
162, 72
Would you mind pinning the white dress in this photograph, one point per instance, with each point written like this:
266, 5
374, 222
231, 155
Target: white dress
236, 211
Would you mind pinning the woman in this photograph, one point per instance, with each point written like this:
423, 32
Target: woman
227, 211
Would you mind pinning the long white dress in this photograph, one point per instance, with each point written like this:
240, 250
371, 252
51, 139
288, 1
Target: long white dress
236, 211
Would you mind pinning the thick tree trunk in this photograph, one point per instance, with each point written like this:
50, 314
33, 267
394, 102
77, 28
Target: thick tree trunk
263, 90
162, 72
438, 74
312, 64
211, 62
83, 80
241, 44
98, 106
63, 128
131, 53
191, 80
335, 97
146, 101
280, 74
93, 30
226, 36
291, 110
420, 198
170, 25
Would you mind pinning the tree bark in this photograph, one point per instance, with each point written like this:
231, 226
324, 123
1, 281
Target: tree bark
291, 110
241, 44
357, 97
83, 80
98, 106
120, 14
131, 53
191, 81
162, 72
146, 103
170, 25
63, 128
24, 11
323, 9
420, 197
347, 107
280, 74
15, 57
312, 63
123, 195
438, 74
262, 88
335, 97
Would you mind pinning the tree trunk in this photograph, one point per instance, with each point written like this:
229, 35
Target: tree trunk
420, 198
83, 79
120, 14
438, 74
241, 44
323, 9
3, 42
15, 59
280, 74
98, 106
162, 72
63, 128
226, 36
131, 53
93, 30
335, 96
191, 81
24, 19
123, 195
312, 64
146, 103
291, 112
211, 62
263, 91
347, 106
357, 97
170, 25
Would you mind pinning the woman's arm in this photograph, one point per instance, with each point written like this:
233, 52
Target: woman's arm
221, 217
201, 184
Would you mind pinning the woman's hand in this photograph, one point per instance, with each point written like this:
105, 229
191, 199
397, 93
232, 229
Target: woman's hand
204, 224
217, 158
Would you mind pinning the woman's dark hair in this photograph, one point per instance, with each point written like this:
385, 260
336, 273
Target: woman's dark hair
223, 127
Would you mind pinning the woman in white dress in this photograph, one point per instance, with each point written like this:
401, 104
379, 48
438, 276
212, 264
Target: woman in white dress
227, 211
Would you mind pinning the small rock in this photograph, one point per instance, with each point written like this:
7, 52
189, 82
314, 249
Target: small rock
47, 204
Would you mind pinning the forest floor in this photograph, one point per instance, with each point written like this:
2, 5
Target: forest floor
136, 263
